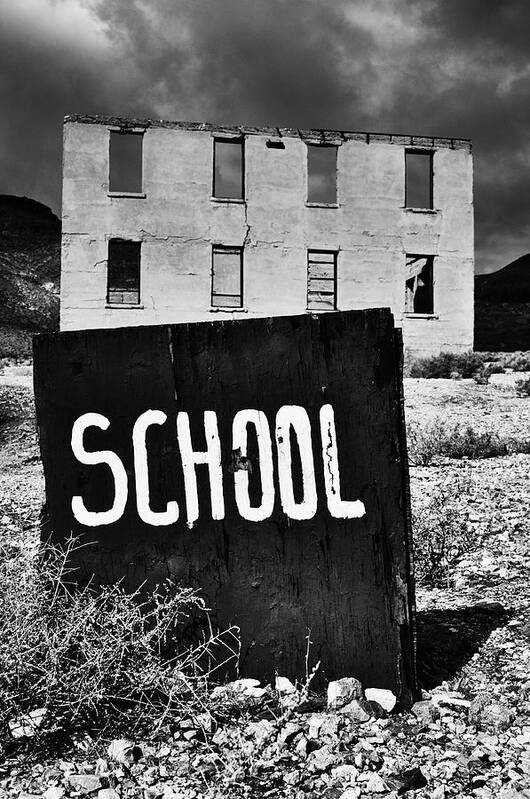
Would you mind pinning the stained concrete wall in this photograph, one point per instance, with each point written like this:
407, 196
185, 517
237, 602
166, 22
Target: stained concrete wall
178, 222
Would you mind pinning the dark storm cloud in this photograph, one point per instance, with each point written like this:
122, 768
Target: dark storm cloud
448, 68
47, 71
277, 61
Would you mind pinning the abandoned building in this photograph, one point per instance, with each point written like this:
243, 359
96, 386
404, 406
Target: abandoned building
169, 221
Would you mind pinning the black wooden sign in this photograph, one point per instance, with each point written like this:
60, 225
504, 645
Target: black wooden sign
263, 461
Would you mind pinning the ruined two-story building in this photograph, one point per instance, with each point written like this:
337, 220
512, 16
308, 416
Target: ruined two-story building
173, 221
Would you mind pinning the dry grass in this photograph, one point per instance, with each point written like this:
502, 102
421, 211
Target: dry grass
441, 533
522, 387
97, 658
447, 364
442, 439
476, 365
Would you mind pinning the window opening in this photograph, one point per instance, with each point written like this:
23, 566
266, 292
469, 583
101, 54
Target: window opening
125, 162
419, 294
321, 174
123, 272
321, 280
227, 277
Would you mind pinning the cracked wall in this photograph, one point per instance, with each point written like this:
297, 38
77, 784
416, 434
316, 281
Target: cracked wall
178, 222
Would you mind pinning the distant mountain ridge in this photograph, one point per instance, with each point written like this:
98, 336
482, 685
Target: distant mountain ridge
502, 308
509, 284
30, 270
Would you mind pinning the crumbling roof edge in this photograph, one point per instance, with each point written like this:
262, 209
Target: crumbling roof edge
307, 134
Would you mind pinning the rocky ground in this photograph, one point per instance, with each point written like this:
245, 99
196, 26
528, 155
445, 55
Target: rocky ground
470, 734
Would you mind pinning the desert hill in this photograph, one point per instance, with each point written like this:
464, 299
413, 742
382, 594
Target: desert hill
502, 308
30, 268
509, 284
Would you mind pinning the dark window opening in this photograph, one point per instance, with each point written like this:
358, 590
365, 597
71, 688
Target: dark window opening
123, 272
418, 180
228, 169
321, 174
227, 277
275, 144
321, 280
419, 293
125, 162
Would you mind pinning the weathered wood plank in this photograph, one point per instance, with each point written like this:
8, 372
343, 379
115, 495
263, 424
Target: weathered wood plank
324, 285
347, 580
318, 270
321, 257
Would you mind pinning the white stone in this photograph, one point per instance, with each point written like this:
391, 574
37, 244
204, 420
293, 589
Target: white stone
383, 697
284, 686
342, 691
358, 710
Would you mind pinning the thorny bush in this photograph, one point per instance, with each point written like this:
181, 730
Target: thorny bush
522, 387
93, 658
447, 364
441, 439
441, 532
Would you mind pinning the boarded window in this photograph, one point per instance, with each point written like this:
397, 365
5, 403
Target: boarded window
228, 169
321, 280
419, 294
321, 174
125, 157
418, 179
227, 277
123, 272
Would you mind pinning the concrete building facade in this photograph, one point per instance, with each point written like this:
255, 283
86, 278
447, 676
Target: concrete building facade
167, 221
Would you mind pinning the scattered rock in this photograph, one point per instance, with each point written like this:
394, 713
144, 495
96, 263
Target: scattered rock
26, 725
246, 686
289, 731
358, 710
284, 686
343, 691
375, 784
385, 698
409, 780
486, 712
301, 746
452, 700
260, 730
86, 783
351, 793
425, 711
322, 759
345, 773
123, 751
205, 722
54, 792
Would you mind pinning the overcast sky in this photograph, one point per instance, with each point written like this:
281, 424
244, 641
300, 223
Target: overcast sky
436, 67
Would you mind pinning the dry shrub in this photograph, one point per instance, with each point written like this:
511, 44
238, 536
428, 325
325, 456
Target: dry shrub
93, 658
518, 361
448, 364
522, 387
441, 532
441, 439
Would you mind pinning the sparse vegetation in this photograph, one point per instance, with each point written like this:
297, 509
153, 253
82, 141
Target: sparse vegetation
93, 658
441, 439
15, 344
447, 364
441, 533
522, 387
518, 361
477, 365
